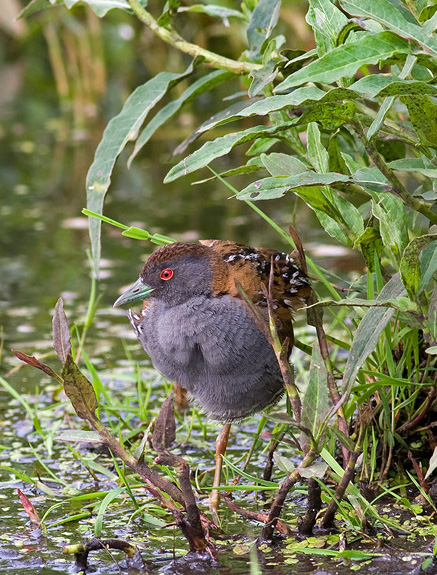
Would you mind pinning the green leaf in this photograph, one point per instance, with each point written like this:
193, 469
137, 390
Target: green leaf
219, 147
368, 333
346, 60
327, 21
102, 508
382, 86
391, 17
432, 317
423, 116
213, 10
370, 242
264, 19
419, 165
316, 402
302, 97
390, 212
329, 115
270, 188
278, 164
370, 178
78, 389
165, 20
283, 463
342, 438
202, 85
316, 153
262, 77
316, 469
36, 6
428, 265
100, 7
410, 264
122, 129
339, 218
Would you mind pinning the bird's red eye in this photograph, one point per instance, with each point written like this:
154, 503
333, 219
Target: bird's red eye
166, 274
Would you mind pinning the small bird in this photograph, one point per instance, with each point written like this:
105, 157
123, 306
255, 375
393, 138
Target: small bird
202, 335
199, 332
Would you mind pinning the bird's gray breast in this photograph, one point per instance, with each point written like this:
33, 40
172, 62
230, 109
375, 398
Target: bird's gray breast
213, 348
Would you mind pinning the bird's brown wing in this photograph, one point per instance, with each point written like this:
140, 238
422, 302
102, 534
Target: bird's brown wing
251, 268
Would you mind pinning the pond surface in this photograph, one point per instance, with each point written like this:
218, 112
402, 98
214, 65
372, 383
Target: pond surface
43, 256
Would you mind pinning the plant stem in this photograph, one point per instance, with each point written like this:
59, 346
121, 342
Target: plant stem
139, 467
396, 188
328, 517
281, 494
174, 39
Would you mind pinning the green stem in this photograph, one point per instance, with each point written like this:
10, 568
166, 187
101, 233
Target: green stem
174, 39
396, 187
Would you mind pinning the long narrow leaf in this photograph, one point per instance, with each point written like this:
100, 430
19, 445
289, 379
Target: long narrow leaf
202, 85
345, 60
392, 17
121, 130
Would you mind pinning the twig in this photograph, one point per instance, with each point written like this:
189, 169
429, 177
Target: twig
281, 494
190, 525
82, 550
328, 517
174, 39
396, 188
314, 505
140, 466
254, 516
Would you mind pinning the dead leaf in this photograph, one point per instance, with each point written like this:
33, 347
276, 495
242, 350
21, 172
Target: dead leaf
31, 360
165, 427
29, 508
61, 332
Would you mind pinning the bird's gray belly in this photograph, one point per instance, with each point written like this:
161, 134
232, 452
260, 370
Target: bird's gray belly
212, 348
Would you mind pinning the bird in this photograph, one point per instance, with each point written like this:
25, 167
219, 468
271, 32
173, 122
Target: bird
200, 333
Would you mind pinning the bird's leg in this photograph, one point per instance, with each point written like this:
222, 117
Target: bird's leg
220, 449
180, 397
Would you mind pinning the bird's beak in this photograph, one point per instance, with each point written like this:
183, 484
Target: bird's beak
136, 292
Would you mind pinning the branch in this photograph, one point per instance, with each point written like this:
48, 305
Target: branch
396, 188
174, 39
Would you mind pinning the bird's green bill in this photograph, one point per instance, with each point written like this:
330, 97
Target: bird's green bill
137, 291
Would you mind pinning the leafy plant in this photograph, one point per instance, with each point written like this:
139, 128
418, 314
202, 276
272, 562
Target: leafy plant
350, 129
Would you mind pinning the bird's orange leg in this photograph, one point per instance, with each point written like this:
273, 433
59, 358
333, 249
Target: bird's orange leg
220, 449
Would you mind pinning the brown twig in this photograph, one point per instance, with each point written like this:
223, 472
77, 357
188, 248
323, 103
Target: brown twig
191, 525
253, 516
281, 494
138, 466
314, 505
82, 550
267, 474
328, 517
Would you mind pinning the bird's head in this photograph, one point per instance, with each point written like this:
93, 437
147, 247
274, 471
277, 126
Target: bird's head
175, 273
